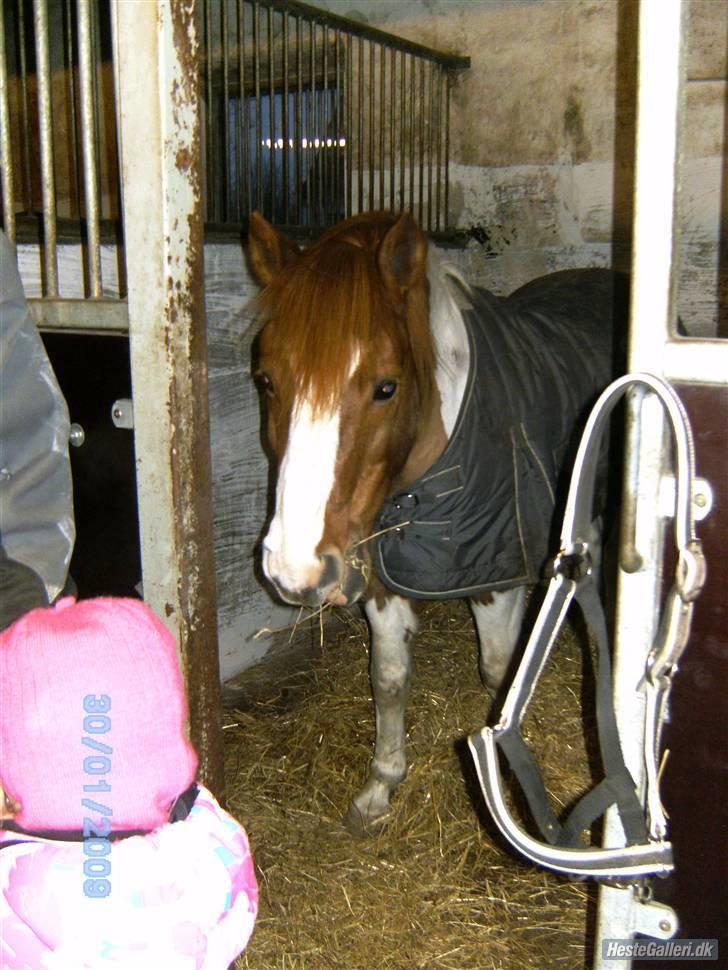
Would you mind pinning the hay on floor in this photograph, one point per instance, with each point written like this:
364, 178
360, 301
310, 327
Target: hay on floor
436, 888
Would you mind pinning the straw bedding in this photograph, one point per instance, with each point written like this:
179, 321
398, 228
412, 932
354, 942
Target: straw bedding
436, 888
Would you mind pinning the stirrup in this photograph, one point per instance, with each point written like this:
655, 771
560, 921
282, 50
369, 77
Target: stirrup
646, 851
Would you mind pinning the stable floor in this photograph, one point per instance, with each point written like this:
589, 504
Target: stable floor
436, 888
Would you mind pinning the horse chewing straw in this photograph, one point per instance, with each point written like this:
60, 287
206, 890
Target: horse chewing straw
356, 563
435, 888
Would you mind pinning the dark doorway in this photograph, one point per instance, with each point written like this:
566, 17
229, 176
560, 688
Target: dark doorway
94, 372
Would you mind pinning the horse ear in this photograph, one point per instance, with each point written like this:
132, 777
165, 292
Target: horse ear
403, 254
268, 250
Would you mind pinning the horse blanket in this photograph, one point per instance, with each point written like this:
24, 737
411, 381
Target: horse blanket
481, 518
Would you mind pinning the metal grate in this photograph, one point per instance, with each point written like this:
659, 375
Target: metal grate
57, 131
310, 117
307, 116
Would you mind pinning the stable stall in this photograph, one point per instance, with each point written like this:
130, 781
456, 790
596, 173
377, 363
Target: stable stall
136, 139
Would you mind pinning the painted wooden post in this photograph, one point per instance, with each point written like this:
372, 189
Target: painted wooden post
159, 131
692, 365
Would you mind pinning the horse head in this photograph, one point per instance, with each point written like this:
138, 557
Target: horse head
346, 365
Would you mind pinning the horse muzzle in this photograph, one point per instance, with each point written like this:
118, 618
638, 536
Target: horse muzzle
332, 579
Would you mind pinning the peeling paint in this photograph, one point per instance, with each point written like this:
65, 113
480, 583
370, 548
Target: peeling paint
170, 351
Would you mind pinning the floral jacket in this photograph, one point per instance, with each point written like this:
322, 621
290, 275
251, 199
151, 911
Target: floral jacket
183, 897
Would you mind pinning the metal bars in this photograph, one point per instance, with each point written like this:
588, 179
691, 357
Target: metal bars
90, 170
48, 183
59, 170
311, 118
7, 174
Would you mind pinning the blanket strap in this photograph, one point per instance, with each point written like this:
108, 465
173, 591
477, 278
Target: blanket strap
646, 850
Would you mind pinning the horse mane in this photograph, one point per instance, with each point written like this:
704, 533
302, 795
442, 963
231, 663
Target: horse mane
332, 301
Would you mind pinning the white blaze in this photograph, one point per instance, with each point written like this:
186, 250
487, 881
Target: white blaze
305, 482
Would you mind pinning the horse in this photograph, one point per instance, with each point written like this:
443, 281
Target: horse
420, 428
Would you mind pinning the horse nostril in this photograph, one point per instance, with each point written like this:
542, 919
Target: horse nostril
331, 573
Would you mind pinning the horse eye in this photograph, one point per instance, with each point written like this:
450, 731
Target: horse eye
264, 382
385, 390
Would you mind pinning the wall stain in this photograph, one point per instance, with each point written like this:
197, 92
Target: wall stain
574, 129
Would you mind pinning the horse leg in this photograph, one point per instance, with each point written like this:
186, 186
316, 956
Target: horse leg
392, 625
498, 618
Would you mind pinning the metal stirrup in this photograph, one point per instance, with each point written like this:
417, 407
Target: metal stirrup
647, 852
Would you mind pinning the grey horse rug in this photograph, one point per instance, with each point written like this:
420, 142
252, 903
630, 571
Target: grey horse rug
481, 518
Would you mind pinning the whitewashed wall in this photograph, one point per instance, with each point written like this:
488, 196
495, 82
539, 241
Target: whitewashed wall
542, 136
239, 467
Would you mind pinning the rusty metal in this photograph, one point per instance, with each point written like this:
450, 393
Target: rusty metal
160, 141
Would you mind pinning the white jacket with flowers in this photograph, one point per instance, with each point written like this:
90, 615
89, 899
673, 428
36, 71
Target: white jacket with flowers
183, 897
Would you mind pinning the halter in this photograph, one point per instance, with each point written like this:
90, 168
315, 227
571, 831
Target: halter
646, 852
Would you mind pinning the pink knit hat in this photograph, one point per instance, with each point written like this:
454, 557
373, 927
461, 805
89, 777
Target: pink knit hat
91, 697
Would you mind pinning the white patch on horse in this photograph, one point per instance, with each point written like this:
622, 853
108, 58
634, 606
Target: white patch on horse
392, 628
499, 624
452, 350
305, 482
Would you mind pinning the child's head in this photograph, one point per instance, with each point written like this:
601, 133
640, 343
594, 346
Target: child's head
92, 707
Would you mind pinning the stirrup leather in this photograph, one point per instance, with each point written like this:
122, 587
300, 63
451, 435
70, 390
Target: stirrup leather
646, 851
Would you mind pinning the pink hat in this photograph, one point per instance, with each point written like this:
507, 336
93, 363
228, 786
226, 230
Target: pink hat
92, 709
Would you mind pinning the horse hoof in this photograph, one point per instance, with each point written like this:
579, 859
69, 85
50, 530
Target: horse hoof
361, 825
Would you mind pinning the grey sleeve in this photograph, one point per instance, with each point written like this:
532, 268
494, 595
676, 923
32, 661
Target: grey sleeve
36, 499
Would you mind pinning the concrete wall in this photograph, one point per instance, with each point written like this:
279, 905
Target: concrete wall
543, 136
